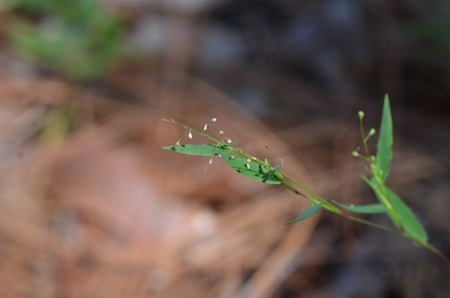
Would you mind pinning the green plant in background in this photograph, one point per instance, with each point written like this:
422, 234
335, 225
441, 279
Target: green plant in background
58, 123
406, 223
79, 39
427, 34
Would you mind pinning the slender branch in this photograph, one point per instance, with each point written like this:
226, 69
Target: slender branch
325, 204
366, 148
436, 252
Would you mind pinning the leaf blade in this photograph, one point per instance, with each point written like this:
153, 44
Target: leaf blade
383, 199
402, 216
250, 169
385, 141
363, 209
190, 149
310, 211
411, 225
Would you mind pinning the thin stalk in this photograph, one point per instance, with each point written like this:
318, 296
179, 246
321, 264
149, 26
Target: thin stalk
436, 252
195, 131
425, 245
294, 190
366, 148
374, 225
327, 205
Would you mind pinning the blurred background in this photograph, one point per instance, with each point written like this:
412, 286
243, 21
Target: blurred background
91, 206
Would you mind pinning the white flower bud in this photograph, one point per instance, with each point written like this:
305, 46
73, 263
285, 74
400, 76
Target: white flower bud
213, 120
190, 135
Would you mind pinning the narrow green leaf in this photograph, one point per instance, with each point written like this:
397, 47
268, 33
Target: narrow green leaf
307, 213
385, 141
411, 225
202, 150
250, 169
366, 209
384, 200
376, 189
401, 215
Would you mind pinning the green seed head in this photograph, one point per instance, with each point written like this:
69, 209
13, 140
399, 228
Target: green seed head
361, 114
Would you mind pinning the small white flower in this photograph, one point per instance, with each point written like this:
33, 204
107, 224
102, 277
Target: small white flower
229, 141
221, 133
210, 161
190, 135
213, 120
248, 166
205, 127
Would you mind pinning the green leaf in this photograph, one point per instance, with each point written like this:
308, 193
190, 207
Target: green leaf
385, 141
307, 213
401, 215
254, 170
202, 150
384, 200
250, 169
59, 123
411, 225
366, 209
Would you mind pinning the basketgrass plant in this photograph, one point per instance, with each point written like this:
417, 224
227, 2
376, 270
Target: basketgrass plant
405, 222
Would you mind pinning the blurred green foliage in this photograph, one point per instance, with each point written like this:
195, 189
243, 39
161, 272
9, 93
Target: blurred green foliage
79, 39
58, 123
431, 32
